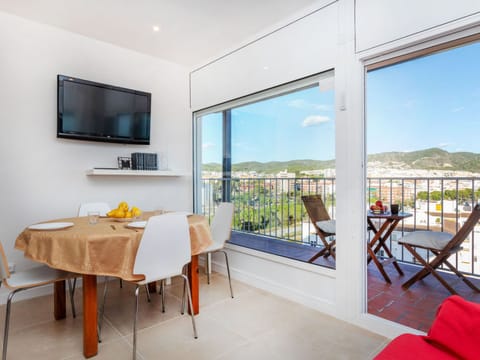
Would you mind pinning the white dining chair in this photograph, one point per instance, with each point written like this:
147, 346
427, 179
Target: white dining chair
28, 279
221, 229
163, 252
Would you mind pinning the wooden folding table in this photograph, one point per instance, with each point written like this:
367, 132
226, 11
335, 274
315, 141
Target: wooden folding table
388, 223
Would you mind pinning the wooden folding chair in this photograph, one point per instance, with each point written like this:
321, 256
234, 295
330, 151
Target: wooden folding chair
324, 226
442, 245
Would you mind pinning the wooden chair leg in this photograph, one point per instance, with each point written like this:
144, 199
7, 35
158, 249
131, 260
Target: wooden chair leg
331, 250
420, 274
428, 269
317, 255
435, 263
461, 276
328, 249
443, 282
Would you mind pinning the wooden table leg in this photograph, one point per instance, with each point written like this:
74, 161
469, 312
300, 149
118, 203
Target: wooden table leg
382, 243
379, 265
90, 336
377, 238
59, 300
194, 283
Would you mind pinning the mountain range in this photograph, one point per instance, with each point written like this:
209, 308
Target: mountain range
428, 159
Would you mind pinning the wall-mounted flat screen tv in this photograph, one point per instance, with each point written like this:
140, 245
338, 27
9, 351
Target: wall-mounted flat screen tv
87, 110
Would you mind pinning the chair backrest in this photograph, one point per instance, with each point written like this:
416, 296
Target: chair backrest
221, 226
4, 272
165, 247
101, 207
463, 232
315, 208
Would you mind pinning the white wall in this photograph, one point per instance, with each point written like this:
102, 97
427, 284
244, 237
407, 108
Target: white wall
345, 28
43, 177
379, 22
296, 51
294, 280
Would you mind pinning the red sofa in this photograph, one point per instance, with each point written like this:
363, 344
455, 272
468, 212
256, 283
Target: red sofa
455, 334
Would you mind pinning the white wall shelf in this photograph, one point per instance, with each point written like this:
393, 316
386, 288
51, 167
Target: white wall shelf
120, 172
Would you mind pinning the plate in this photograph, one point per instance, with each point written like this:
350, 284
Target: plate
51, 226
137, 224
377, 212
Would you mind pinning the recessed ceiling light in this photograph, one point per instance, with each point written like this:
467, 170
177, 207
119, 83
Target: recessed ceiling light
266, 67
156, 28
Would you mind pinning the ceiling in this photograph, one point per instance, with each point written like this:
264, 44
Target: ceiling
191, 32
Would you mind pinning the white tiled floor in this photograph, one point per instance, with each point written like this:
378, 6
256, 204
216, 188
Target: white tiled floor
253, 325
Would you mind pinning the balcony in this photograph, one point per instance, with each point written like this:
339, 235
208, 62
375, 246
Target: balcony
270, 217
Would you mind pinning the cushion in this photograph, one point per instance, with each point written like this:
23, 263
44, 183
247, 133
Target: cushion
427, 239
327, 226
412, 347
457, 327
454, 334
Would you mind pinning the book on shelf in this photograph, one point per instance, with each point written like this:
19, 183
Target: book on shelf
144, 161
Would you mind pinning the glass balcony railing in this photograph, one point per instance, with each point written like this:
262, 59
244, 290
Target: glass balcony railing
272, 207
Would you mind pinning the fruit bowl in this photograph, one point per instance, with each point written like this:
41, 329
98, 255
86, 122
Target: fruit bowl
123, 214
378, 208
125, 219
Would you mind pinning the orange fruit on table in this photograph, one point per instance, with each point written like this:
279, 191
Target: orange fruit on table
136, 212
120, 213
123, 205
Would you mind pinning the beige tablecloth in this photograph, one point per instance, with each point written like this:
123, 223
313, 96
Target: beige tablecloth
107, 248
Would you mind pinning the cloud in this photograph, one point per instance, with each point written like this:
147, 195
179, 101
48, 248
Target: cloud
458, 109
314, 120
206, 146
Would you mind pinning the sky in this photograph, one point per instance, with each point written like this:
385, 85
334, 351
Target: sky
299, 125
432, 101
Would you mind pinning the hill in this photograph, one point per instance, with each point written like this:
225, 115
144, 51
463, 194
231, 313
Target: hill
428, 159
273, 167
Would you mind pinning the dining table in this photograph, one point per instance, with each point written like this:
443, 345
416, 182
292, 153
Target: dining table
106, 248
382, 225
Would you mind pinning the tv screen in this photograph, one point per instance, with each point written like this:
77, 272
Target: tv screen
87, 110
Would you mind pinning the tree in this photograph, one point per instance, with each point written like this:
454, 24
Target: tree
422, 195
436, 195
450, 195
465, 194
433, 196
